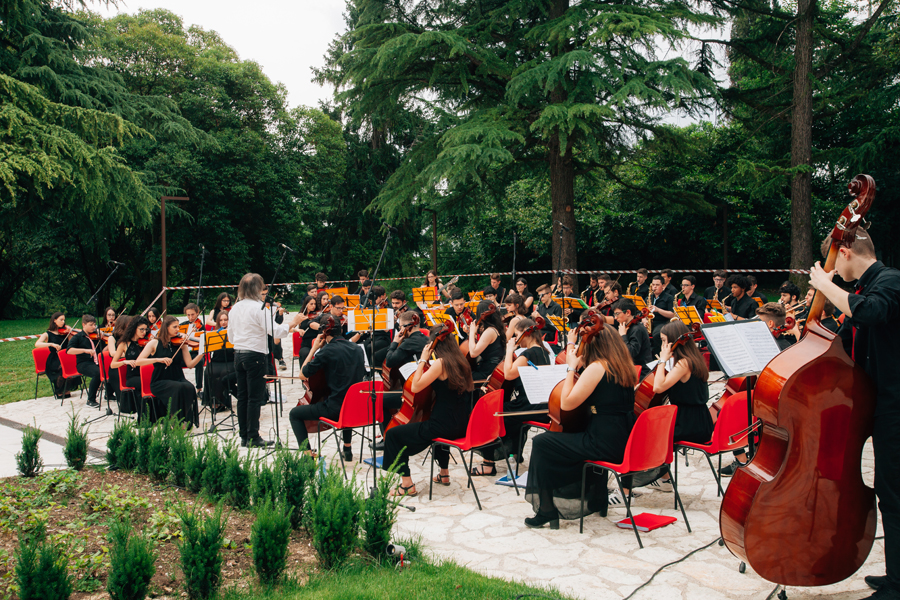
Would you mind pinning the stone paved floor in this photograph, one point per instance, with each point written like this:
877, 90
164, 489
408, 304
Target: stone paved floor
603, 563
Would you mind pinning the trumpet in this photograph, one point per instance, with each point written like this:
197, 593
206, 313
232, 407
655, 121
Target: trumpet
795, 307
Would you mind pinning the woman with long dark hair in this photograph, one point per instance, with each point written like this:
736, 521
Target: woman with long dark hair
487, 342
56, 341
607, 383
222, 376
308, 328
128, 349
223, 302
174, 394
515, 312
451, 379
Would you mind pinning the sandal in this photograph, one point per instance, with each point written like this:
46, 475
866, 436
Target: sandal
480, 470
400, 492
439, 479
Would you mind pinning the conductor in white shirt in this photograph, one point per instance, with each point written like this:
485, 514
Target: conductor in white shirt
249, 326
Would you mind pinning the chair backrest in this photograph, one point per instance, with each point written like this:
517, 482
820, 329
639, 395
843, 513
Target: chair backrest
484, 427
123, 385
103, 362
69, 364
296, 340
356, 409
732, 419
146, 378
650, 442
40, 356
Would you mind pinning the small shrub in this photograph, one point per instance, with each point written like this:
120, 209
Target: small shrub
194, 465
335, 518
269, 536
297, 471
213, 480
41, 568
144, 433
114, 442
200, 549
380, 515
131, 561
158, 450
266, 483
126, 453
180, 448
76, 446
28, 461
237, 478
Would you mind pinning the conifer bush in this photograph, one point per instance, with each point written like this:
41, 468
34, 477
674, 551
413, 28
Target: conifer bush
29, 462
334, 514
237, 478
213, 479
41, 567
269, 536
380, 515
131, 561
76, 446
126, 453
180, 449
194, 465
142, 455
158, 450
200, 550
266, 483
114, 442
298, 473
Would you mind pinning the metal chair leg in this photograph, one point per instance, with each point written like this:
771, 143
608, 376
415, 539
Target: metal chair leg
678, 501
628, 508
581, 512
509, 470
462, 455
431, 477
720, 491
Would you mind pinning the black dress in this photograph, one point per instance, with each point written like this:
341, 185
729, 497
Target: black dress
222, 377
132, 378
554, 474
693, 422
173, 392
488, 360
53, 369
449, 420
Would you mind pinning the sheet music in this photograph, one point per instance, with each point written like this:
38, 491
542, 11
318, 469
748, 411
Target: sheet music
763, 343
408, 369
539, 382
361, 346
741, 347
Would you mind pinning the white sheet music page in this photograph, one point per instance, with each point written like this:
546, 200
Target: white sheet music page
408, 369
539, 382
741, 347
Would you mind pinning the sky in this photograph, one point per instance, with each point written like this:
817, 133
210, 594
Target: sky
286, 37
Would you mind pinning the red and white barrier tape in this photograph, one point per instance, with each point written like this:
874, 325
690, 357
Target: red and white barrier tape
21, 337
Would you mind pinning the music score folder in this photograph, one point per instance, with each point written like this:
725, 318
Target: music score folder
741, 347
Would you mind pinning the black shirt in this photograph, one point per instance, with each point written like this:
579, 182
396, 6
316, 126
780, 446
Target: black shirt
831, 324
710, 292
410, 350
745, 307
876, 317
549, 329
590, 296
761, 296
640, 290
785, 341
457, 319
81, 340
697, 301
343, 364
575, 315
638, 341
664, 301
499, 293
671, 289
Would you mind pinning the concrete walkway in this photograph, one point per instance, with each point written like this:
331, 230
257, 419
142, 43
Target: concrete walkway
603, 563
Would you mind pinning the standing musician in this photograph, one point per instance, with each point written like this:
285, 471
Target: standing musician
742, 306
532, 355
688, 389
169, 354
515, 312
522, 290
546, 308
773, 315
593, 294
717, 290
363, 276
753, 292
871, 336
660, 305
688, 295
486, 344
129, 347
321, 280
342, 363
641, 287
635, 336
554, 475
222, 376
495, 288
667, 275
223, 302
249, 325
455, 311
56, 338
450, 376
573, 314
85, 349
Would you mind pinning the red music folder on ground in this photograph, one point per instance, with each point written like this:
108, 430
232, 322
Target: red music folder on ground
647, 522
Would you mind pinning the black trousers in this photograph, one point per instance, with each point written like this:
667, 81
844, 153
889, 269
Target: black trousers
89, 369
887, 487
251, 369
404, 441
391, 402
312, 412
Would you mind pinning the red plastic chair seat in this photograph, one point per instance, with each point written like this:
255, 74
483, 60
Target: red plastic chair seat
296, 341
122, 385
40, 356
146, 379
356, 412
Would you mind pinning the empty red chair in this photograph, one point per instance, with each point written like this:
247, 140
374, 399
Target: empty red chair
649, 447
70, 372
484, 429
356, 413
296, 341
124, 389
40, 356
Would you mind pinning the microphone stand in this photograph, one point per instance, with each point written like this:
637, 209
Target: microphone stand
100, 360
279, 396
559, 279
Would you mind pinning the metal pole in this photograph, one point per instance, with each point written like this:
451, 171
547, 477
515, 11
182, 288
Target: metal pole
434, 240
163, 232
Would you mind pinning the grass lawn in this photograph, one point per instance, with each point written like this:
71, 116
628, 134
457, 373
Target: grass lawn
16, 364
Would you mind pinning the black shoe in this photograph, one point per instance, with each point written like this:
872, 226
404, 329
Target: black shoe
886, 592
730, 469
93, 404
540, 520
348, 454
258, 442
876, 582
243, 442
377, 446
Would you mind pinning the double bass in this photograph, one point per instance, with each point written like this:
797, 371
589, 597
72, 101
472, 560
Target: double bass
799, 512
576, 420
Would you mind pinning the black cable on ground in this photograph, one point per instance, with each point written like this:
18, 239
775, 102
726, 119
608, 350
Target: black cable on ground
674, 562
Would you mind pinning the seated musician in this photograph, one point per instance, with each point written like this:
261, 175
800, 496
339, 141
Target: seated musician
308, 327
400, 306
635, 336
222, 376
498, 290
336, 308
377, 298
690, 296
573, 314
487, 343
342, 363
593, 294
112, 344
660, 305
365, 291
688, 389
109, 319
455, 310
223, 302
790, 296
522, 290
55, 341
515, 312
363, 276
609, 297
153, 315
321, 282
532, 354
668, 275
554, 474
717, 290
641, 287
128, 349
192, 314
450, 377
742, 306
546, 307
753, 292
86, 350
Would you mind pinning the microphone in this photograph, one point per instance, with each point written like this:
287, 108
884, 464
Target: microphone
390, 227
115, 262
563, 226
203, 250
289, 249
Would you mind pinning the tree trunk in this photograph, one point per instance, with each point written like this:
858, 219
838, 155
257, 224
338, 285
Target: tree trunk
801, 140
562, 205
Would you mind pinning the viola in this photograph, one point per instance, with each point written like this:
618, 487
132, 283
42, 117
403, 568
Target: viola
645, 312
417, 406
575, 420
789, 323
644, 397
317, 389
799, 513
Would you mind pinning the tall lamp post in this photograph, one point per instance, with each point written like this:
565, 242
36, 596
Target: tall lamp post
162, 216
433, 238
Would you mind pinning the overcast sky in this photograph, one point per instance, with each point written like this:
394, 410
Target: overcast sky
286, 37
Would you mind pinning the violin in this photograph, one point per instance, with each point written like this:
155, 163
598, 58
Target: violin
464, 346
388, 375
317, 389
799, 513
789, 323
575, 420
644, 396
645, 312
417, 406
497, 379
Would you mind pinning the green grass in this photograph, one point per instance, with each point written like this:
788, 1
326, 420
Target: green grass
16, 364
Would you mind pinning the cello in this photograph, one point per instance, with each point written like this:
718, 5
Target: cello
317, 389
575, 420
799, 512
644, 396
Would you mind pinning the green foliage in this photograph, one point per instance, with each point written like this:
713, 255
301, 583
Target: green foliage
380, 515
180, 450
41, 568
29, 462
158, 450
143, 433
114, 442
334, 515
213, 480
194, 466
112, 500
237, 478
127, 452
298, 472
131, 562
200, 549
267, 483
76, 446
269, 535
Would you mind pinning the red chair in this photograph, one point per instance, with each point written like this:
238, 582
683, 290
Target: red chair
296, 341
123, 389
40, 356
732, 420
70, 372
146, 379
356, 413
484, 429
649, 447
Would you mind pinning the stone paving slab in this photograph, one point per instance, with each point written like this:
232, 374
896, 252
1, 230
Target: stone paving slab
603, 563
